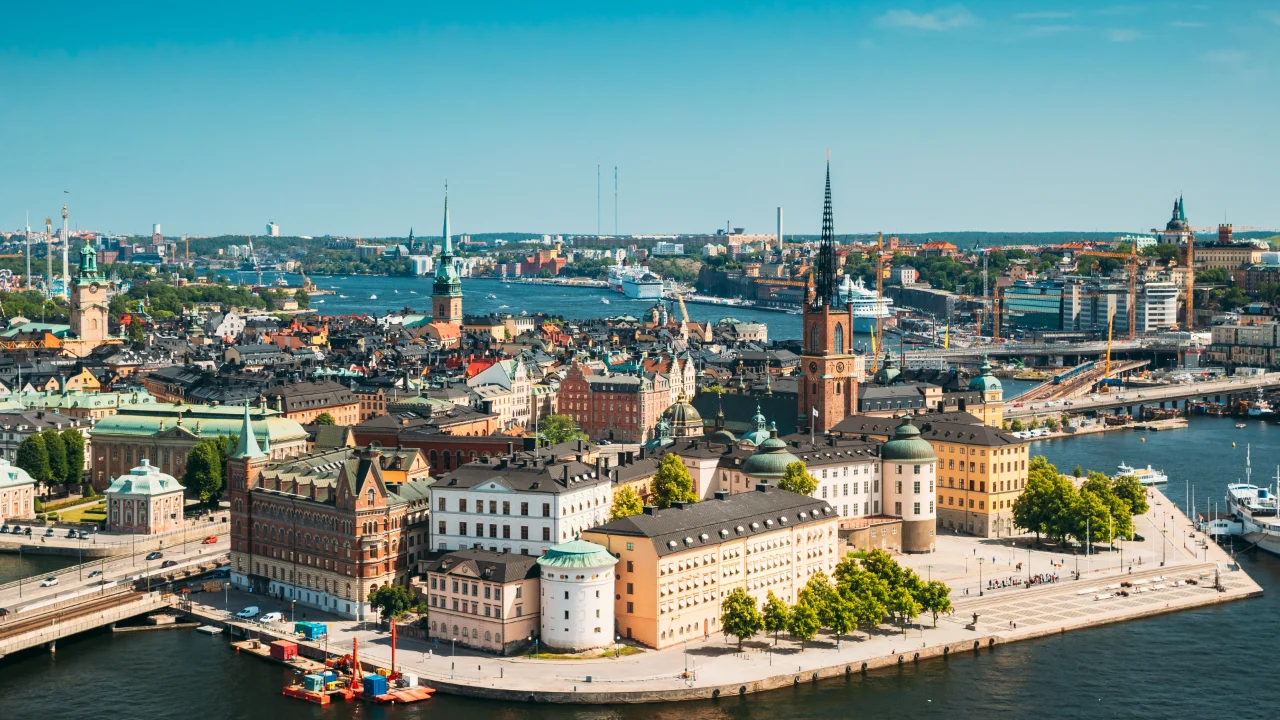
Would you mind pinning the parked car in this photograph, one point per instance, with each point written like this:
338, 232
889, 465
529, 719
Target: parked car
27, 532
209, 540
1138, 538
4, 612
49, 582
95, 573
271, 617
168, 563
72, 533
247, 613
48, 532
155, 555
4, 529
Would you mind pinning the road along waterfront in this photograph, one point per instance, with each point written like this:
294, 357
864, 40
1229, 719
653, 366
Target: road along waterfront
1122, 669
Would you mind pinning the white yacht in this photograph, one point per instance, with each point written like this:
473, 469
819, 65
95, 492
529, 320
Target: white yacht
867, 305
1147, 475
636, 282
1257, 509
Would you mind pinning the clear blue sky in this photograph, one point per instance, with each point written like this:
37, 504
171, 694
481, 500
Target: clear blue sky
346, 118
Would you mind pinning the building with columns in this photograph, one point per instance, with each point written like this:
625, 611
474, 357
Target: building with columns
144, 501
17, 493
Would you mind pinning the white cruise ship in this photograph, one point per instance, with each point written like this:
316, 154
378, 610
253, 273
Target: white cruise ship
1257, 509
636, 282
1146, 475
867, 305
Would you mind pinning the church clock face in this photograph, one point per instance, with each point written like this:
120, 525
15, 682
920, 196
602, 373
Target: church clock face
839, 367
813, 367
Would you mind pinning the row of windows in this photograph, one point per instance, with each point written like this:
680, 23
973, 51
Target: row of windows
443, 529
442, 505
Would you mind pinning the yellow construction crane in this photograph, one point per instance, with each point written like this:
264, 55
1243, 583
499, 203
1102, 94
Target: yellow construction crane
1111, 321
878, 330
1131, 267
684, 315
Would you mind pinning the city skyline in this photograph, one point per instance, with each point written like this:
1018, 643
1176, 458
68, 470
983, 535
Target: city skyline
976, 116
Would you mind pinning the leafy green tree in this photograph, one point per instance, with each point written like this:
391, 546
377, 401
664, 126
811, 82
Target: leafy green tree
1016, 425
33, 457
1131, 491
302, 298
820, 595
391, 601
1077, 472
204, 473
137, 333
804, 623
934, 598
672, 482
57, 450
739, 616
903, 604
625, 503
324, 418
1089, 517
1045, 506
797, 479
556, 429
842, 614
776, 616
73, 441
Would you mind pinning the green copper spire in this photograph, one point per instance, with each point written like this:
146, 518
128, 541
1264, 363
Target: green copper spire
247, 445
447, 282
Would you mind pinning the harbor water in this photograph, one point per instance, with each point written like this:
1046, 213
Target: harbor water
1208, 662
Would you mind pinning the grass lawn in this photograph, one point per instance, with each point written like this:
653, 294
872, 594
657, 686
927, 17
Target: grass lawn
624, 651
87, 514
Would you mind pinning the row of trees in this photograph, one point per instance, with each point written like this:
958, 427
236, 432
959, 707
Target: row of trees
673, 483
1101, 510
868, 588
53, 457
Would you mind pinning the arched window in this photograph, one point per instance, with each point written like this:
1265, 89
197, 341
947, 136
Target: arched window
839, 338
370, 496
813, 337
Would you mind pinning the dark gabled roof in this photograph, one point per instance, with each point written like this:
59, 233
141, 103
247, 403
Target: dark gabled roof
524, 473
957, 427
708, 523
487, 565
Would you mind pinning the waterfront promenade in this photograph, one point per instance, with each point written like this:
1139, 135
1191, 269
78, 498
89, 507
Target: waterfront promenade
712, 666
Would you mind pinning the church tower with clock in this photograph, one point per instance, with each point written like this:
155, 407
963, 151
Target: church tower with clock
828, 391
89, 302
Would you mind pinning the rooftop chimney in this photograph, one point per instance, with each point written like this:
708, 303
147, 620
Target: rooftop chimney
722, 494
651, 510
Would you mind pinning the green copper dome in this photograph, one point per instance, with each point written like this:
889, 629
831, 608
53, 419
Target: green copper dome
986, 382
888, 372
770, 460
907, 445
577, 554
761, 433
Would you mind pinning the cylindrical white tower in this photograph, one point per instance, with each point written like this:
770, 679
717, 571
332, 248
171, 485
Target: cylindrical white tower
910, 477
577, 596
779, 229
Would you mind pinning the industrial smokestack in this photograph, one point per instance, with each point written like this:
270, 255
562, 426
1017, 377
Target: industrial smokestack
779, 229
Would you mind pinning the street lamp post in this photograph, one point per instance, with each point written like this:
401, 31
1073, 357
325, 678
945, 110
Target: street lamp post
20, 575
981, 590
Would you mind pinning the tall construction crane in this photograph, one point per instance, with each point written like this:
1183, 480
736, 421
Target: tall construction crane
878, 335
1131, 267
684, 318
1189, 256
253, 255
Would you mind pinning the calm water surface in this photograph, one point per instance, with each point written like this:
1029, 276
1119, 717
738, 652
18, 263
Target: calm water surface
1208, 663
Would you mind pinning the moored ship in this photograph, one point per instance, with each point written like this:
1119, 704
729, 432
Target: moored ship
636, 282
867, 304
1257, 509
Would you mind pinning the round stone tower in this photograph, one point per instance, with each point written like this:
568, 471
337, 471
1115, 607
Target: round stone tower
910, 474
577, 596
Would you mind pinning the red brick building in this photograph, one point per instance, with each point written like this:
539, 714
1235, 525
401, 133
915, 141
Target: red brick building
828, 387
621, 408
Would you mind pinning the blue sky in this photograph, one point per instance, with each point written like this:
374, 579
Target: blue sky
938, 116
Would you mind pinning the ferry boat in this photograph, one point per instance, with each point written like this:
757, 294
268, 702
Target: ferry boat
1257, 509
636, 282
1146, 475
1260, 407
867, 305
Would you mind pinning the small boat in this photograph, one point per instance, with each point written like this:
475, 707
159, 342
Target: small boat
491, 296
1240, 425
344, 297
507, 287
319, 302
373, 297
395, 291
503, 307
1146, 475
209, 629
413, 292
524, 313
604, 300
